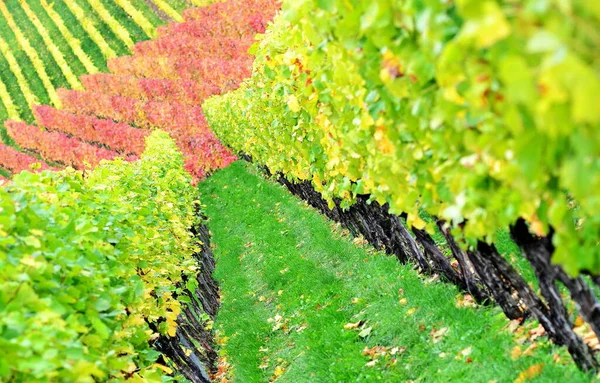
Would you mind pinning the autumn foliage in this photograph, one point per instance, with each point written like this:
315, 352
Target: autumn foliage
58, 147
117, 136
162, 85
15, 161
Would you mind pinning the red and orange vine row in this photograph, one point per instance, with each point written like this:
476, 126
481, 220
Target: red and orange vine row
162, 85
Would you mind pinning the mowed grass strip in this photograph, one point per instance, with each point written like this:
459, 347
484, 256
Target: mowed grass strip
54, 22
49, 44
17, 74
46, 45
34, 54
302, 303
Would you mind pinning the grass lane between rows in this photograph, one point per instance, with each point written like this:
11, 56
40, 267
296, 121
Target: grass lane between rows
303, 303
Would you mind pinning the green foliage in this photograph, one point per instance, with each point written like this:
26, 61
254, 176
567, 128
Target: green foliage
474, 111
89, 267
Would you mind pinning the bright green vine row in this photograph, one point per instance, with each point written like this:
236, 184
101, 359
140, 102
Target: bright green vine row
88, 262
476, 111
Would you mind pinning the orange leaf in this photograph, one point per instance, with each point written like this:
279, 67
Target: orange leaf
530, 373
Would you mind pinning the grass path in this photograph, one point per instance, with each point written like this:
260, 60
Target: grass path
302, 303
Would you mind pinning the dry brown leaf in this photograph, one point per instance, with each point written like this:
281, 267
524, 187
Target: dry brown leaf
536, 332
529, 350
556, 358
465, 301
360, 240
466, 352
513, 325
438, 335
591, 340
350, 326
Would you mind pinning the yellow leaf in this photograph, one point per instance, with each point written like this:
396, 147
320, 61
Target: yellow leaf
516, 352
293, 104
166, 369
278, 371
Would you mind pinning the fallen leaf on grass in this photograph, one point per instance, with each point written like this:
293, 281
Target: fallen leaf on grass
529, 350
403, 301
411, 311
365, 332
516, 353
277, 373
462, 353
374, 351
530, 373
438, 335
536, 332
514, 324
397, 350
465, 301
350, 326
588, 336
360, 240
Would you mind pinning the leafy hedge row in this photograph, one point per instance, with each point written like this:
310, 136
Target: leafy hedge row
90, 265
479, 112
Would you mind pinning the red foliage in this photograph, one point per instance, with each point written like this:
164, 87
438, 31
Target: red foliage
223, 19
58, 147
154, 89
216, 73
117, 136
224, 48
15, 161
168, 116
186, 124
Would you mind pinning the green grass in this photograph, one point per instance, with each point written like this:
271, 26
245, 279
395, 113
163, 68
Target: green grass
290, 284
57, 37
